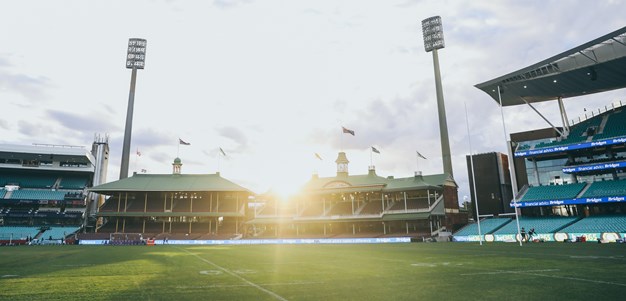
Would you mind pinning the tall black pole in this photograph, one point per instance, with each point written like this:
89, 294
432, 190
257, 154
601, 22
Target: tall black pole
443, 123
432, 30
129, 127
135, 59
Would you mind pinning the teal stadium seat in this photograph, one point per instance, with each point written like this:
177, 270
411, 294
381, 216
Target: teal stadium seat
606, 188
614, 127
540, 224
26, 194
553, 192
598, 224
487, 226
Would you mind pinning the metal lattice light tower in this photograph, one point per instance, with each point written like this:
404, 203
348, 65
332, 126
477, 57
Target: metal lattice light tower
433, 40
135, 59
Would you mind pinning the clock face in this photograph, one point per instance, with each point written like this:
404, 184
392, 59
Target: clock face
342, 167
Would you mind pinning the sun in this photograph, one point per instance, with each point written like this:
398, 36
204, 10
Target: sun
286, 187
286, 184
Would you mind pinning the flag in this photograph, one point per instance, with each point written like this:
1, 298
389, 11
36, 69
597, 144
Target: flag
138, 153
318, 156
180, 141
222, 151
347, 131
420, 155
375, 150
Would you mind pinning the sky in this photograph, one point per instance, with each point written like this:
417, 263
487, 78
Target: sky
272, 82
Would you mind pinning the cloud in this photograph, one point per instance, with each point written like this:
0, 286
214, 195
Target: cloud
230, 3
145, 138
31, 129
4, 62
32, 88
83, 122
235, 135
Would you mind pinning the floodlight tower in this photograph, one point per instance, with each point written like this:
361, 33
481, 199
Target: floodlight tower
135, 59
433, 40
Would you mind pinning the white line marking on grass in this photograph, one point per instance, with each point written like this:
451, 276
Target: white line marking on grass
579, 279
596, 257
250, 283
535, 273
211, 272
9, 276
508, 272
246, 285
435, 264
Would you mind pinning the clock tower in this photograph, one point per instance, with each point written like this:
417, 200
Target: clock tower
342, 164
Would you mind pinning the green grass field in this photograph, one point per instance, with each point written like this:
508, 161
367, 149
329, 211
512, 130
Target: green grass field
416, 271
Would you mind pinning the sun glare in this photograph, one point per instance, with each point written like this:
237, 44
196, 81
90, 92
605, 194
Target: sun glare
286, 187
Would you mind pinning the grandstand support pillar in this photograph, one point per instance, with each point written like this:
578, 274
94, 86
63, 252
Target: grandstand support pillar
405, 207
384, 228
430, 223
563, 117
510, 157
129, 127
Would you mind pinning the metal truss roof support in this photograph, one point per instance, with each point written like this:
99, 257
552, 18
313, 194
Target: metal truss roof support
544, 118
564, 118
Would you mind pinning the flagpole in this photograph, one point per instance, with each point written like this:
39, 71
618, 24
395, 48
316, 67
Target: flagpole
417, 159
341, 140
218, 161
178, 148
135, 163
371, 151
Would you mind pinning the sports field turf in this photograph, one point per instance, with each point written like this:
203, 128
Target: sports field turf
416, 271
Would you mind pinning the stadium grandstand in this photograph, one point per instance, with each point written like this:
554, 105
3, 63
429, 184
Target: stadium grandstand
570, 180
348, 206
43, 190
204, 208
170, 207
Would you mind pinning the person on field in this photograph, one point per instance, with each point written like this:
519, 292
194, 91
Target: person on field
523, 234
531, 233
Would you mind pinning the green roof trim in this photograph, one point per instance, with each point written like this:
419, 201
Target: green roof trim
169, 182
373, 182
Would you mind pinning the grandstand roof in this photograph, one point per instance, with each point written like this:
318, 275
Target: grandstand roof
596, 66
373, 182
34, 150
169, 182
